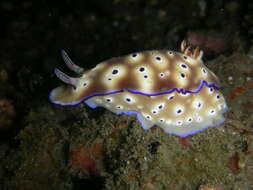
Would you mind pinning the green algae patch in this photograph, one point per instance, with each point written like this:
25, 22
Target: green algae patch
40, 162
204, 160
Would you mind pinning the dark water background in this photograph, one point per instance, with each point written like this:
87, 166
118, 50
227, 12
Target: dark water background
43, 146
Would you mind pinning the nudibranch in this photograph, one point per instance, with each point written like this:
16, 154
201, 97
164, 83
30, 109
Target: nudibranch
173, 90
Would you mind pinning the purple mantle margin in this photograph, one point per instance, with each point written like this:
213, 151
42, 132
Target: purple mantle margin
203, 83
179, 90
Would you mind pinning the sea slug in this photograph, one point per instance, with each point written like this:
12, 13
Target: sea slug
172, 90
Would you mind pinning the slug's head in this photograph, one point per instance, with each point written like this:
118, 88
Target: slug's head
70, 94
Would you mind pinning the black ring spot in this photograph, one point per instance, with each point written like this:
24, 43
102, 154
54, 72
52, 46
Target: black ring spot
179, 111
134, 55
115, 71
158, 58
184, 66
182, 75
142, 69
